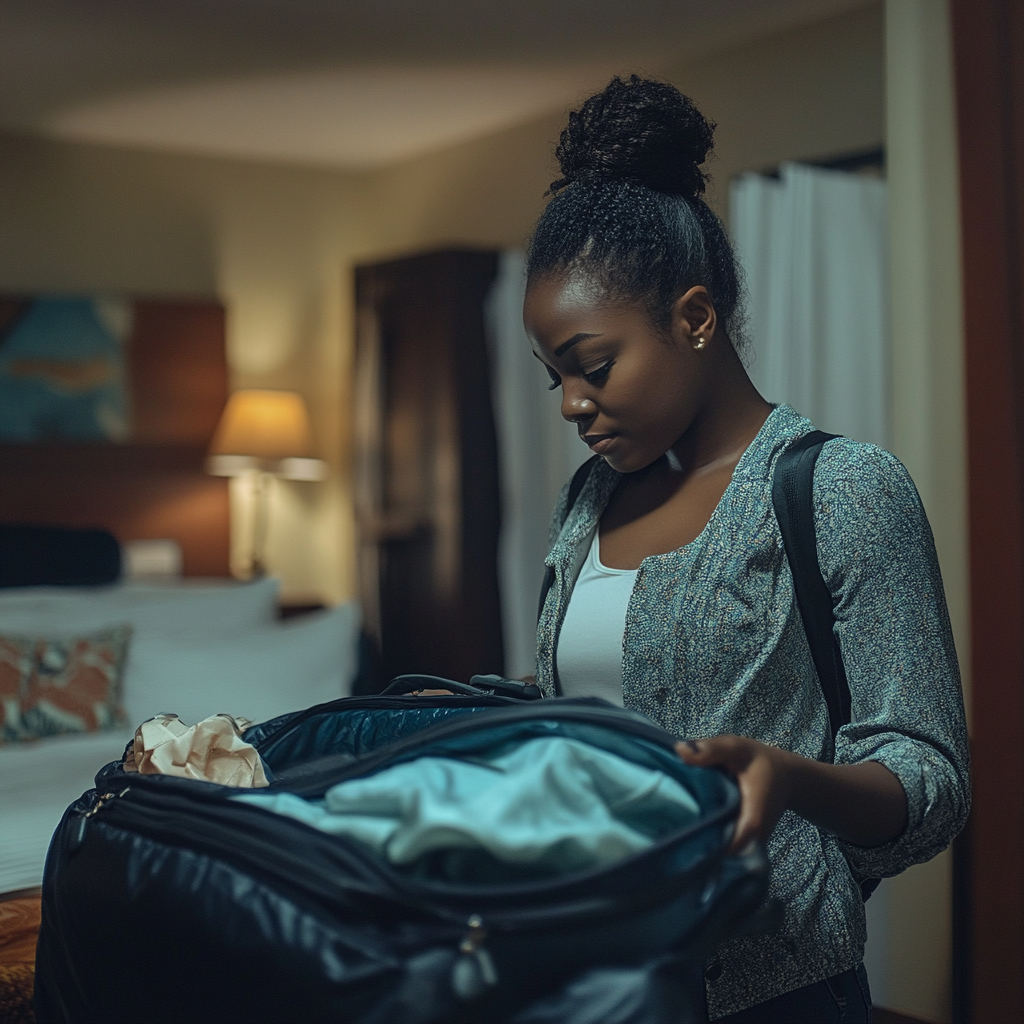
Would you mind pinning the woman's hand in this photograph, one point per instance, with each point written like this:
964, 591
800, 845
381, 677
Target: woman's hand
761, 774
863, 804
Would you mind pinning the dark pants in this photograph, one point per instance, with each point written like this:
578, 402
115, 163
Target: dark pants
844, 998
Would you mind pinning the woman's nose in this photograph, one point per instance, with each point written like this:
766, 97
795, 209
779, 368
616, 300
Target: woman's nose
577, 409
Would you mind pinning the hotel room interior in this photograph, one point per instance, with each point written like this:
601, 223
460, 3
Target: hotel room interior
318, 210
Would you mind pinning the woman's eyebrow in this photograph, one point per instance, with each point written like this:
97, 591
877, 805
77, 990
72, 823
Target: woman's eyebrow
574, 340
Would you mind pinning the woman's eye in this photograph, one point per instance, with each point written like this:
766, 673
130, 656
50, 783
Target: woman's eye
556, 381
598, 375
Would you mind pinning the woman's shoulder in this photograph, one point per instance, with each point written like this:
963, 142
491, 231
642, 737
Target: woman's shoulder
866, 502
856, 469
841, 458
846, 469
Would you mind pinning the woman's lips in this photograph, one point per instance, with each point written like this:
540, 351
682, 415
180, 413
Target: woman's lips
599, 443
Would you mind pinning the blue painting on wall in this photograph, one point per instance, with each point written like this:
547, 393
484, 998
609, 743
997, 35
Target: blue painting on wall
62, 371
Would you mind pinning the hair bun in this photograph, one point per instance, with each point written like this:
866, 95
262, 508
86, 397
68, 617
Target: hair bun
640, 130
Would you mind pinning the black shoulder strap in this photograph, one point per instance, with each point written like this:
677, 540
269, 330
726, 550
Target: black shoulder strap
579, 478
793, 498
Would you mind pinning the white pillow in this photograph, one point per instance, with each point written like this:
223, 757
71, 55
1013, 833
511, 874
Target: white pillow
258, 674
183, 607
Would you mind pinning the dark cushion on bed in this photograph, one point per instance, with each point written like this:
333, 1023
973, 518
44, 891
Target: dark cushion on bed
32, 556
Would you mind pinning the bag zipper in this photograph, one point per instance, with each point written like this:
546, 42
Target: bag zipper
303, 860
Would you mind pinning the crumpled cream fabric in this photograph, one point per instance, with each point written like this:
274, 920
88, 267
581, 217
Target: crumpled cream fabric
213, 751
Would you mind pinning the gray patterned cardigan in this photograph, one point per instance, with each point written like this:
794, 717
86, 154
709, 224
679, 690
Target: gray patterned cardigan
714, 644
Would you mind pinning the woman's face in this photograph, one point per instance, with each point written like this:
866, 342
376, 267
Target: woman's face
631, 390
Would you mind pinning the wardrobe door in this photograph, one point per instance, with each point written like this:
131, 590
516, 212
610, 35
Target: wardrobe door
426, 468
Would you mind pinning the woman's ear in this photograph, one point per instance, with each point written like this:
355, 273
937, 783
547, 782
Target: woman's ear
694, 319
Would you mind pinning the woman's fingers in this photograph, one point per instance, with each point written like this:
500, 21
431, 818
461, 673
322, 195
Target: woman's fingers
755, 799
727, 751
760, 780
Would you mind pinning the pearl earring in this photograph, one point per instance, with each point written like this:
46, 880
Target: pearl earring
701, 341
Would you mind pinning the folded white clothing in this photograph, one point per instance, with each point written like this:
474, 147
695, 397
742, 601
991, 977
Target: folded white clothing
554, 804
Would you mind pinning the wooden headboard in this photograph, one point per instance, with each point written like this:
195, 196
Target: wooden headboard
153, 485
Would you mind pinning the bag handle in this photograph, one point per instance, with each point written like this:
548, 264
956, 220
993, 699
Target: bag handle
401, 685
478, 686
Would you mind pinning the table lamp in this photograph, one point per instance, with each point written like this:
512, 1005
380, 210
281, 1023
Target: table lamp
263, 433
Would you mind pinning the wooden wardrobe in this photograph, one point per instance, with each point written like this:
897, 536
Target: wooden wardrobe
426, 469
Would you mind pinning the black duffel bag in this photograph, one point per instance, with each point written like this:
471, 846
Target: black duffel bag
166, 900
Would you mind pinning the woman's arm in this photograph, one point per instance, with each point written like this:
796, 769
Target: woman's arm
863, 804
899, 790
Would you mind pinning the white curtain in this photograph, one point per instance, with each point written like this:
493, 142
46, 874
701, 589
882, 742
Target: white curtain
814, 247
537, 451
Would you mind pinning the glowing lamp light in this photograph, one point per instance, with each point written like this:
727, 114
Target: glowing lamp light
264, 433
268, 431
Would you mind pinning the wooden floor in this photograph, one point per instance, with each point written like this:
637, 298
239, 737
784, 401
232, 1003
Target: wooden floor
19, 925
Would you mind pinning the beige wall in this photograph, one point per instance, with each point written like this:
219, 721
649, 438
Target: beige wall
929, 415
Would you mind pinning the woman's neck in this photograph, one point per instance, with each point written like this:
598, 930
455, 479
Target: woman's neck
726, 424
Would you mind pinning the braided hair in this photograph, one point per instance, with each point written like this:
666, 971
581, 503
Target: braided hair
629, 212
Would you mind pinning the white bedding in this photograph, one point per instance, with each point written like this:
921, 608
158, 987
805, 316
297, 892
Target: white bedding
188, 607
37, 782
256, 674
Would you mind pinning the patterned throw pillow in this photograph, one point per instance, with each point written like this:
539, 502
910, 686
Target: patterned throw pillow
52, 686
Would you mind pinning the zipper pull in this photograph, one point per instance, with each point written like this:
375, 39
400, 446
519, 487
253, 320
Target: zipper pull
474, 971
81, 823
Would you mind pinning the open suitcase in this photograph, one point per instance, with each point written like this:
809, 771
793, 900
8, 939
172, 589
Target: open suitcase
164, 899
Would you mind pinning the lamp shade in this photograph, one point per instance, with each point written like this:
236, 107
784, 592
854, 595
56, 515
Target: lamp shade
264, 425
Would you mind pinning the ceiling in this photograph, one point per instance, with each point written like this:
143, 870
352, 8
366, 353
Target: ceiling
344, 83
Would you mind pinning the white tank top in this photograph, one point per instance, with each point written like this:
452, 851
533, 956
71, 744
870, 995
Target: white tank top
589, 652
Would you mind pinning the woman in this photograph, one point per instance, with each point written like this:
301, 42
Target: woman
672, 593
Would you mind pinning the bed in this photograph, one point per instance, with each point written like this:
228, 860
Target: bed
198, 647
